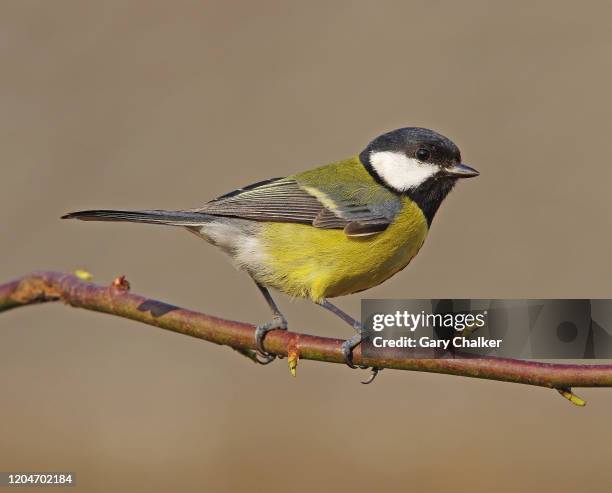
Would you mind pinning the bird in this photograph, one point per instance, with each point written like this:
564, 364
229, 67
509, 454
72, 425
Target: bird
331, 231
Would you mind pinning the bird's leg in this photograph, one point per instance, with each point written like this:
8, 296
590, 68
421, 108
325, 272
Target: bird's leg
353, 342
278, 322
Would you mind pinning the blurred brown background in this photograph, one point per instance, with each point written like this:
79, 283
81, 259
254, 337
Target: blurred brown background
168, 104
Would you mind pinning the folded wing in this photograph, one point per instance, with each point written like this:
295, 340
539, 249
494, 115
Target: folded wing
284, 200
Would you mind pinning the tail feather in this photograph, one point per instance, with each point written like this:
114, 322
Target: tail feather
172, 218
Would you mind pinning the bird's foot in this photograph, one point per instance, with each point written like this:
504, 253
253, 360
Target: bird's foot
347, 351
263, 357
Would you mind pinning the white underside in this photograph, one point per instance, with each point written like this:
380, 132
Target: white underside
241, 245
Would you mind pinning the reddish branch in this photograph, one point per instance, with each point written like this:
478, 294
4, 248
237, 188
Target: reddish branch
117, 300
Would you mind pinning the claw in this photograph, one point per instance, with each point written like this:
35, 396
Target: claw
347, 352
373, 375
263, 357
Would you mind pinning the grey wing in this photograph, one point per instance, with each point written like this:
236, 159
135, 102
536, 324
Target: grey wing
283, 200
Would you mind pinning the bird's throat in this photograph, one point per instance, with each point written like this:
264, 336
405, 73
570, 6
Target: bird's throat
430, 195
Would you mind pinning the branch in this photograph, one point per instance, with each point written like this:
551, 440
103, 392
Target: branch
117, 300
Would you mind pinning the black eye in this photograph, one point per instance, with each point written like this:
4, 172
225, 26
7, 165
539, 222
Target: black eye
422, 154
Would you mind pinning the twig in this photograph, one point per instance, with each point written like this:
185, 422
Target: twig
117, 300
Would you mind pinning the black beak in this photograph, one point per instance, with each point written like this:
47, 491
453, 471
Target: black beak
460, 171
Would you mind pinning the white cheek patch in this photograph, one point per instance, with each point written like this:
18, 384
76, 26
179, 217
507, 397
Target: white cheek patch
399, 171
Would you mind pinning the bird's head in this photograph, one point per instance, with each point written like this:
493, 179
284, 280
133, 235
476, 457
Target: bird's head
409, 158
418, 163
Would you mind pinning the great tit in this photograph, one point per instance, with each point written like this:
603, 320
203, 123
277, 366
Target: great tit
331, 231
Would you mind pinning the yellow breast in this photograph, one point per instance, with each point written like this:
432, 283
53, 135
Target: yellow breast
304, 261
